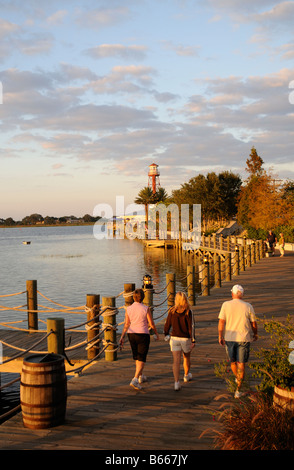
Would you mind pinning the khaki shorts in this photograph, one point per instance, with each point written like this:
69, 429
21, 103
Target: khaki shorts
180, 344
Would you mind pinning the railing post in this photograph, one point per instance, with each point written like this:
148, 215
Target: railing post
248, 256
237, 260
55, 341
92, 303
171, 289
109, 320
253, 257
191, 284
221, 242
205, 281
128, 289
214, 240
148, 299
228, 263
228, 243
217, 271
242, 258
32, 304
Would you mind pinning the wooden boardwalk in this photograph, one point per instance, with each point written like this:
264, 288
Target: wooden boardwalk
105, 413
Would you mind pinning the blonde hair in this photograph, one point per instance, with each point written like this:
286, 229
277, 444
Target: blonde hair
182, 303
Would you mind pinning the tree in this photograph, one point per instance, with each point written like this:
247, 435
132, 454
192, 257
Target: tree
250, 188
9, 221
32, 219
147, 197
230, 186
264, 204
254, 164
217, 194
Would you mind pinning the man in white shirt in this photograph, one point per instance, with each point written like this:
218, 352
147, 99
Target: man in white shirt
237, 322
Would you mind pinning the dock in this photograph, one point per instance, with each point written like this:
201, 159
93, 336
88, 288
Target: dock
105, 413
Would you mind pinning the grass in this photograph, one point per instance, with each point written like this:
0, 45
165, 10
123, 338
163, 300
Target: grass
253, 423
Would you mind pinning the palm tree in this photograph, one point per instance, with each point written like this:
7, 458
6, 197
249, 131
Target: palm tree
147, 197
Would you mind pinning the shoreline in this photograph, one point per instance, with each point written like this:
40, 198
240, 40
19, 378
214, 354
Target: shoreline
47, 225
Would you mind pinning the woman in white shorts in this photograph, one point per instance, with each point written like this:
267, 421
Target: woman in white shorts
180, 322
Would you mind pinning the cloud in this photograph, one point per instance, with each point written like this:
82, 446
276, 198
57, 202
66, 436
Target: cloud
57, 17
117, 50
181, 50
7, 28
101, 17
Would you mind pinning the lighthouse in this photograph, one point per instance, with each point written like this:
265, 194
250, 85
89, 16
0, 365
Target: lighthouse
153, 177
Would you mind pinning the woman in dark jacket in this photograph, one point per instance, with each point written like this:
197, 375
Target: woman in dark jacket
180, 322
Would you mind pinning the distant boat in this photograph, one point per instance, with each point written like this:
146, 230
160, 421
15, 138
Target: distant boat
26, 243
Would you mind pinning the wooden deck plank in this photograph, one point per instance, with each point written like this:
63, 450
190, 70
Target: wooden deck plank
105, 413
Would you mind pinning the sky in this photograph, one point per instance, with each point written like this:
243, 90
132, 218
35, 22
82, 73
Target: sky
93, 92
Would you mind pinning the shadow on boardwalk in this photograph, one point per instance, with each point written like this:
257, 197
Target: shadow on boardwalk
104, 412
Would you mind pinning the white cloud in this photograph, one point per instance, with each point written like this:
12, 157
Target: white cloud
57, 17
101, 17
118, 50
182, 50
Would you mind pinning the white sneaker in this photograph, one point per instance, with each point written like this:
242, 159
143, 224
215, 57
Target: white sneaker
177, 386
142, 378
135, 384
188, 377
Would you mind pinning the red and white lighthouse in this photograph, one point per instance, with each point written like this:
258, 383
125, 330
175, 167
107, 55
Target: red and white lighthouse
153, 177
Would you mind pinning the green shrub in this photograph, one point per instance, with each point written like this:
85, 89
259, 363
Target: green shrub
273, 365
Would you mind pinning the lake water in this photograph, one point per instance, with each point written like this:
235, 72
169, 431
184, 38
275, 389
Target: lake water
69, 263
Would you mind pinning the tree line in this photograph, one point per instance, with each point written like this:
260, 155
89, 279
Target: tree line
38, 219
259, 203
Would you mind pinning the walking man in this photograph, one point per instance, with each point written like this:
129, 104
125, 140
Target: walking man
237, 322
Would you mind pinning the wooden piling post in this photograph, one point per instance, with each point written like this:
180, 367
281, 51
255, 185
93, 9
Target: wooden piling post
242, 258
237, 260
217, 271
128, 289
228, 263
171, 289
55, 341
228, 243
214, 240
206, 278
221, 242
248, 256
253, 253
32, 304
109, 318
191, 284
92, 303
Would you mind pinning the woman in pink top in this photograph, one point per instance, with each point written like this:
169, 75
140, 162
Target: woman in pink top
138, 319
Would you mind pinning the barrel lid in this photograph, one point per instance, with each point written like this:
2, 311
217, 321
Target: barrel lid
43, 358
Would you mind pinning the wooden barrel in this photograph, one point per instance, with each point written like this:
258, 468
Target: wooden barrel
283, 398
43, 391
